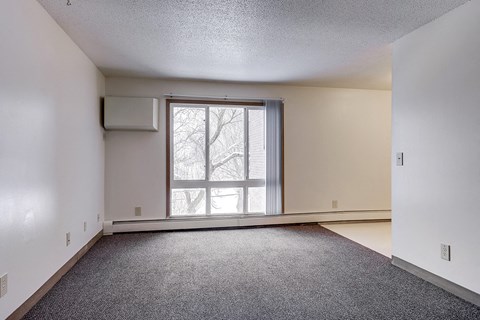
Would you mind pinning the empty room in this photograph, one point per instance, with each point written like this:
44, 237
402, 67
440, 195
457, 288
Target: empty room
239, 159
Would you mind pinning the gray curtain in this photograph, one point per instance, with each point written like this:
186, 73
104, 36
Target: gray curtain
274, 165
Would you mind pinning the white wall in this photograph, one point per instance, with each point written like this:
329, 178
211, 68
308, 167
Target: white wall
436, 123
51, 148
337, 147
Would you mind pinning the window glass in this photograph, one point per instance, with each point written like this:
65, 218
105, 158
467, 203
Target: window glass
227, 144
227, 200
256, 142
208, 169
188, 202
256, 200
189, 143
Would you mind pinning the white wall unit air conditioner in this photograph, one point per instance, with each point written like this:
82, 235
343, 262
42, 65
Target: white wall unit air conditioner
126, 113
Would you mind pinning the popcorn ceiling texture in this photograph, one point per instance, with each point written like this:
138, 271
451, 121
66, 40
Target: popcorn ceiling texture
336, 43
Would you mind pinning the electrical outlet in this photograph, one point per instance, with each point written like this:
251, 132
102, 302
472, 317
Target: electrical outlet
84, 226
3, 285
98, 217
399, 159
138, 211
334, 204
445, 252
67, 238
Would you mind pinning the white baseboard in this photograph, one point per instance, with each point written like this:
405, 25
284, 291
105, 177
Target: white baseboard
111, 227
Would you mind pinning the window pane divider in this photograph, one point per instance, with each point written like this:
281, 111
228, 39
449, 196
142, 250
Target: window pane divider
208, 191
246, 152
182, 184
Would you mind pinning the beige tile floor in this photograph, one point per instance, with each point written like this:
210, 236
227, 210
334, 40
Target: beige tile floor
374, 235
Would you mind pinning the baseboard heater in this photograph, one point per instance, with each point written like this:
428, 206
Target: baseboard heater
111, 227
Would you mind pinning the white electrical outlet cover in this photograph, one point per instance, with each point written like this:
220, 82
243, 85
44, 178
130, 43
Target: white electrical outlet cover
3, 285
399, 158
445, 252
138, 211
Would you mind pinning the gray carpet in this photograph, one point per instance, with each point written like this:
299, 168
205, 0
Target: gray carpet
294, 272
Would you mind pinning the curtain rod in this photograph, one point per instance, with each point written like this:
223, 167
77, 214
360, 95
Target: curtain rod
174, 95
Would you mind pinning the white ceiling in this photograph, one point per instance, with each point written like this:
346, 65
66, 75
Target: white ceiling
333, 43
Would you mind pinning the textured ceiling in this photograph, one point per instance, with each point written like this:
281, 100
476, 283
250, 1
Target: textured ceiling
334, 43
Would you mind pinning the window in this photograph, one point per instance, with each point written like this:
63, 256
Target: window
217, 158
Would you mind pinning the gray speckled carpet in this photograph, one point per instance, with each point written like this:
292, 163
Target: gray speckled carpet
293, 272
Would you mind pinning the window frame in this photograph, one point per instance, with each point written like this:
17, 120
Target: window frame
207, 184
